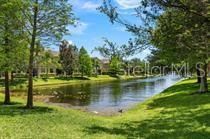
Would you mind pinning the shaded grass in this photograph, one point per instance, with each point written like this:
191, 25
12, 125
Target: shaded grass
175, 113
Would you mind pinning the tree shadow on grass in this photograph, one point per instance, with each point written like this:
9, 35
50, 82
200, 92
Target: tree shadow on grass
180, 117
12, 103
181, 125
179, 96
180, 100
18, 109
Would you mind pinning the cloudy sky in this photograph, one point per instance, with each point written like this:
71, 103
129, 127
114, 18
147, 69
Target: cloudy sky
93, 25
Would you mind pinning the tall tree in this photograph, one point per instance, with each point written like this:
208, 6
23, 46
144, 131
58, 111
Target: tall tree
85, 63
11, 33
68, 57
115, 53
47, 22
195, 12
115, 66
110, 50
176, 33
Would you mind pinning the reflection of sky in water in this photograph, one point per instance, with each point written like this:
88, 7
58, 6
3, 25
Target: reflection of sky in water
118, 94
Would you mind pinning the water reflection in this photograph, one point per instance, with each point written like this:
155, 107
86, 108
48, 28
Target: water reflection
117, 94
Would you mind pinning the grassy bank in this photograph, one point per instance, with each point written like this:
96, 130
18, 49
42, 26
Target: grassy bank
39, 82
176, 113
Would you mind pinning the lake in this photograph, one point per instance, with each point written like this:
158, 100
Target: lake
109, 96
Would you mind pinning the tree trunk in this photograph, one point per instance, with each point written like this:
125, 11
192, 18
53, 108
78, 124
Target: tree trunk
204, 82
198, 74
6, 74
31, 59
7, 91
37, 63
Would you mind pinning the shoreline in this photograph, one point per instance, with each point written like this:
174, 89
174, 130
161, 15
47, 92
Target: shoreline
53, 82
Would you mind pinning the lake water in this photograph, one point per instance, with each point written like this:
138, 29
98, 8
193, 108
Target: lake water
111, 96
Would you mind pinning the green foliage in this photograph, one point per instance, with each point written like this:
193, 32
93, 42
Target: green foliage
181, 23
137, 66
115, 66
13, 46
47, 22
53, 17
110, 49
176, 33
68, 57
85, 63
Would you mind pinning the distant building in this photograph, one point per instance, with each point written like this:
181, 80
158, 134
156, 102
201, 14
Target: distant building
104, 66
42, 69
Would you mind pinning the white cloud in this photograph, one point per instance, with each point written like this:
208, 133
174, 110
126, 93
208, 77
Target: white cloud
87, 5
70, 42
79, 29
128, 4
90, 5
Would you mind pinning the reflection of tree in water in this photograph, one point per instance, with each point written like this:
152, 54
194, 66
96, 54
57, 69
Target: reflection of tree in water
134, 87
116, 92
77, 96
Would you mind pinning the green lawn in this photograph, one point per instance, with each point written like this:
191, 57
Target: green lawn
176, 113
39, 82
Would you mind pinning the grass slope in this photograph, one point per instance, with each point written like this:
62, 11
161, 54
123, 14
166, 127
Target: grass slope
175, 113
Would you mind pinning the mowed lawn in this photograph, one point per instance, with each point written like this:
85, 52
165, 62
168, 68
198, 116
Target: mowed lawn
178, 112
21, 83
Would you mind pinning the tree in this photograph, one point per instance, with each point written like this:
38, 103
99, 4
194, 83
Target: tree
194, 26
46, 22
11, 41
110, 50
96, 65
137, 66
85, 63
115, 66
68, 57
176, 33
115, 53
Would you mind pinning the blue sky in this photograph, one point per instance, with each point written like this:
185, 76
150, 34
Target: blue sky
93, 26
